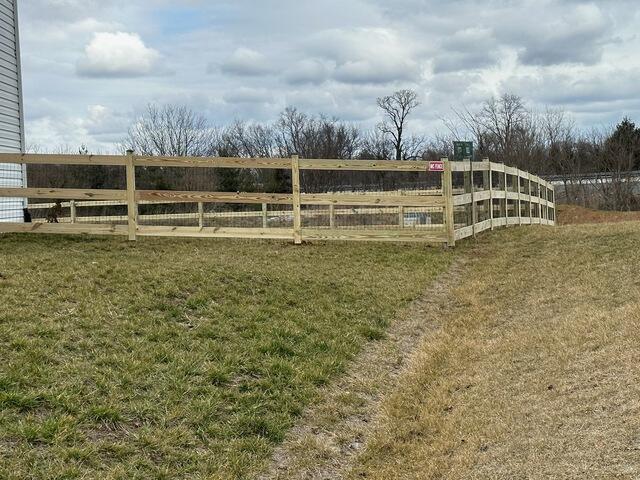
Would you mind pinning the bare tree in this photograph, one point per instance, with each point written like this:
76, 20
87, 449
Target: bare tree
503, 128
171, 130
397, 108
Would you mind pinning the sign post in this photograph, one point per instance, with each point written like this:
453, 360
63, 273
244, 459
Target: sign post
462, 151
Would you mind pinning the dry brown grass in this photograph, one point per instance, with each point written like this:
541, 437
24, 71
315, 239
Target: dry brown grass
534, 373
576, 215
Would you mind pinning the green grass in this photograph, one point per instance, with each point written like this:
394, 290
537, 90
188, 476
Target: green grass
179, 358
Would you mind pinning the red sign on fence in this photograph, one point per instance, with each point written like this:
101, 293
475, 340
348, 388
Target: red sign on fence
436, 166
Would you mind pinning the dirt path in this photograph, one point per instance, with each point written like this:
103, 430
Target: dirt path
335, 429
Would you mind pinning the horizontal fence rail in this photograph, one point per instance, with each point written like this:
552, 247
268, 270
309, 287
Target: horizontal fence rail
489, 195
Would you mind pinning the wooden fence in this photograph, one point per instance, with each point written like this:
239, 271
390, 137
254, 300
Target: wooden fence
490, 195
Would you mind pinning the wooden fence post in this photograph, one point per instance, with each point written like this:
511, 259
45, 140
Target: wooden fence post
506, 195
332, 216
540, 214
131, 197
530, 200
519, 199
265, 215
490, 173
400, 213
297, 207
447, 191
201, 215
474, 210
72, 205
553, 199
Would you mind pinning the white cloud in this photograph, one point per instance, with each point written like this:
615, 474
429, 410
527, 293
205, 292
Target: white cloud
366, 55
307, 71
248, 95
118, 54
245, 62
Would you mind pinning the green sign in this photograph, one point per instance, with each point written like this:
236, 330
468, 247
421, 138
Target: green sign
462, 151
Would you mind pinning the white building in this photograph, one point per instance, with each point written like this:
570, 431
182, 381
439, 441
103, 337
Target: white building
11, 111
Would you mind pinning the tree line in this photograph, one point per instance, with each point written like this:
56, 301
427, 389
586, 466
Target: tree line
504, 129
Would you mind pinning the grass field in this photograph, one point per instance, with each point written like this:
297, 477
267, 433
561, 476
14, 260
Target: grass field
530, 371
231, 359
180, 359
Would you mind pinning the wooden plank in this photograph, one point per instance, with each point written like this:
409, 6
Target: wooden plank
297, 208
482, 226
499, 195
106, 203
375, 235
497, 167
283, 163
447, 188
63, 228
332, 216
218, 162
464, 232
212, 232
63, 193
371, 200
213, 162
46, 159
366, 165
481, 166
461, 166
174, 196
482, 196
201, 215
132, 209
460, 200
512, 195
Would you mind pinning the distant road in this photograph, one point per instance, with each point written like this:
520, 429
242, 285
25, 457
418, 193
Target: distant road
581, 177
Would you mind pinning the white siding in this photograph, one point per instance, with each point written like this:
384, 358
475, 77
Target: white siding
11, 116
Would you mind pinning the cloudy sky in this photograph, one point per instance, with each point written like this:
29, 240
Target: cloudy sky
91, 66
